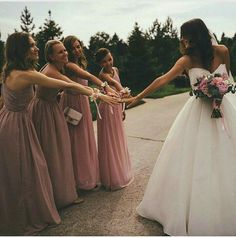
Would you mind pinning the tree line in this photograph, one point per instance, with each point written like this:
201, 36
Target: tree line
145, 55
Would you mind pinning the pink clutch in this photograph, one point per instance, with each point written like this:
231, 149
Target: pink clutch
72, 116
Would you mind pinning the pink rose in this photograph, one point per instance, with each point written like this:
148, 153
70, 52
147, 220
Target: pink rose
203, 86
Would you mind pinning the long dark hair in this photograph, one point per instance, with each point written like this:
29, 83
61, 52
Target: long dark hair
68, 43
200, 45
16, 51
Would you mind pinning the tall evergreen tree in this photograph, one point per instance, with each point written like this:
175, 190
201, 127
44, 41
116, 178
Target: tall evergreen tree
119, 50
164, 42
139, 67
49, 31
99, 40
117, 47
27, 24
227, 41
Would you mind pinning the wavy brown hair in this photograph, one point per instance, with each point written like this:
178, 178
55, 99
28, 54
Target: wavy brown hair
16, 52
68, 43
200, 45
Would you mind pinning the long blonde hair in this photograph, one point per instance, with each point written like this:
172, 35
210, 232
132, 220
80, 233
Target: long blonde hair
48, 50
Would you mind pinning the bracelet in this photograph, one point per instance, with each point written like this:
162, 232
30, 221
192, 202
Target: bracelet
95, 95
104, 84
125, 90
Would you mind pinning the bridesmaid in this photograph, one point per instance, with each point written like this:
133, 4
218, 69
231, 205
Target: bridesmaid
51, 128
83, 144
113, 155
26, 198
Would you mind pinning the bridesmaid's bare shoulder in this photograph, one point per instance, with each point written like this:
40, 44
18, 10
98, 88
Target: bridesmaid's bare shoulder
28, 75
19, 79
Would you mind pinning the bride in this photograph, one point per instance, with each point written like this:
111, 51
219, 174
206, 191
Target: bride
192, 189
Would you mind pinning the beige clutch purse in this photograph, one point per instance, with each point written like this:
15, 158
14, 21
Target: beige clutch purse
72, 116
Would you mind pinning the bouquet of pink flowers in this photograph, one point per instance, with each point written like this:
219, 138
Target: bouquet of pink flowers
213, 87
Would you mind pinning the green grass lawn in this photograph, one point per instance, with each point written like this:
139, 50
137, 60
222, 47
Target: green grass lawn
168, 90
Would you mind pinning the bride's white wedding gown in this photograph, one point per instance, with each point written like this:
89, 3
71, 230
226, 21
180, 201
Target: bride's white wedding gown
192, 189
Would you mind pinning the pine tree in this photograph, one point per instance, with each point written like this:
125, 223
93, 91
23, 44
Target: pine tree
163, 40
227, 41
27, 21
117, 47
119, 50
49, 31
99, 40
139, 67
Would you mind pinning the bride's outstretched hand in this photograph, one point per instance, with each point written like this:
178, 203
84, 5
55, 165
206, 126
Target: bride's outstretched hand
132, 101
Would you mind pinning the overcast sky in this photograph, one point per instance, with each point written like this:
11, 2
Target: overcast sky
84, 18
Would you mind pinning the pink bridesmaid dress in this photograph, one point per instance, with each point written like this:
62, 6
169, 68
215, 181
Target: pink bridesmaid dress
83, 143
26, 196
113, 155
52, 131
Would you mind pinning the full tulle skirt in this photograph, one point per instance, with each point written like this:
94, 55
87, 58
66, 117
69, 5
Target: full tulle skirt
192, 189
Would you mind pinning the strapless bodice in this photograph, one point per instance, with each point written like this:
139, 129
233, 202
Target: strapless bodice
195, 73
17, 100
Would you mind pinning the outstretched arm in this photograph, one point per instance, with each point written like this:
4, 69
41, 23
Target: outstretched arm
111, 81
86, 75
159, 82
34, 77
83, 73
61, 81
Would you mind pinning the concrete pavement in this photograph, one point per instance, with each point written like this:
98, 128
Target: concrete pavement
113, 213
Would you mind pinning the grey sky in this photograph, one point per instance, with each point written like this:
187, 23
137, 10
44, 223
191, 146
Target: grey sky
84, 18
